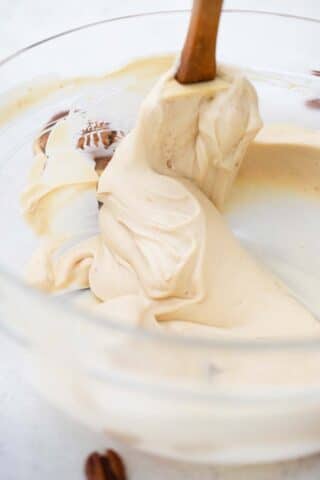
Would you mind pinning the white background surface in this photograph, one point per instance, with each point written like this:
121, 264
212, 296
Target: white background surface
26, 21
37, 442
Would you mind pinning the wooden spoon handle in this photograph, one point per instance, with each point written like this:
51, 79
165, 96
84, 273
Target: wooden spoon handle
198, 58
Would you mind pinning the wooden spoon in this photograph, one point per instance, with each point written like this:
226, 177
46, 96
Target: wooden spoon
198, 58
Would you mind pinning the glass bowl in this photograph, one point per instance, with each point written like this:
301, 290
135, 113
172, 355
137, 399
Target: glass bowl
154, 391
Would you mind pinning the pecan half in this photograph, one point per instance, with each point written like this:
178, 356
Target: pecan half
108, 466
96, 135
313, 103
99, 135
43, 139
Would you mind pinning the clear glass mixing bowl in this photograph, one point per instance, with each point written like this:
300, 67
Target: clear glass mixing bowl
154, 391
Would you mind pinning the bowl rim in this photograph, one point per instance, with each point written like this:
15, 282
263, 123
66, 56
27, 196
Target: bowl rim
139, 331
112, 19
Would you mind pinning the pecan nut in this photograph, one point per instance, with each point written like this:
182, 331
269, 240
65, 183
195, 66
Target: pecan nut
313, 103
96, 136
43, 139
108, 466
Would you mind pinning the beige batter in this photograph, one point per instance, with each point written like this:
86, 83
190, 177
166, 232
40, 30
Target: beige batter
165, 253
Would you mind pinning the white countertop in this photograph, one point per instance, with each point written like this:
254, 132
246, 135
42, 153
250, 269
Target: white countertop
36, 441
26, 21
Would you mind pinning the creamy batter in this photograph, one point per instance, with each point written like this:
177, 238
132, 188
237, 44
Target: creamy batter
164, 253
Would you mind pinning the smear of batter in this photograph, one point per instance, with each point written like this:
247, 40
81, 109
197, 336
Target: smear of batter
164, 253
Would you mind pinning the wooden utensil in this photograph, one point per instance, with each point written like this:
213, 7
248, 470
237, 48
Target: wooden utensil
198, 58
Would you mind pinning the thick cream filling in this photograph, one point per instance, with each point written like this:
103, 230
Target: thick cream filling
164, 252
